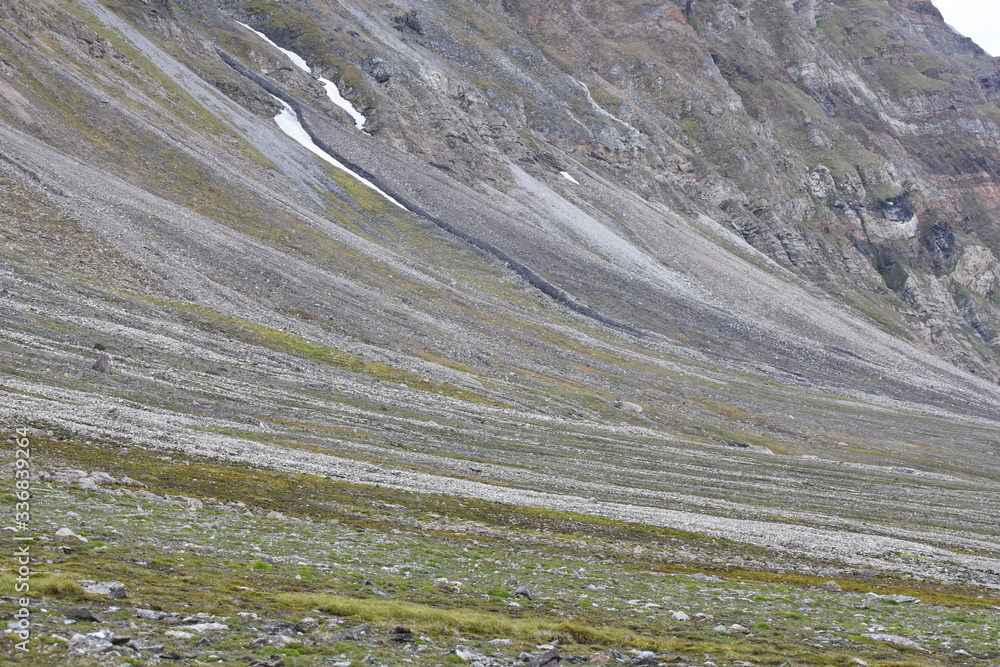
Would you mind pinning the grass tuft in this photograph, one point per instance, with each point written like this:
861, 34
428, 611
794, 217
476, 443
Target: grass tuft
464, 621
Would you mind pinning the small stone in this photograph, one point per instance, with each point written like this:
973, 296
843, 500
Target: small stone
900, 599
307, 624
377, 591
206, 627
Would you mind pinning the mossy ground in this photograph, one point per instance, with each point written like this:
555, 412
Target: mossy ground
348, 554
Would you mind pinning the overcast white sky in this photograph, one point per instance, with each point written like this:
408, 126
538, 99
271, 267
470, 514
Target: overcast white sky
978, 19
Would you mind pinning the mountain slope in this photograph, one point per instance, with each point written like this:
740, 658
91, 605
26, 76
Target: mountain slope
770, 226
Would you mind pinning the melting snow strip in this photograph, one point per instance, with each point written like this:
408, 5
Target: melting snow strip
568, 177
289, 123
296, 59
334, 94
331, 88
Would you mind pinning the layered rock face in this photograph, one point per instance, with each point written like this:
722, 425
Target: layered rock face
854, 143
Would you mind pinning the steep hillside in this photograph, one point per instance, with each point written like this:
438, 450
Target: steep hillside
727, 267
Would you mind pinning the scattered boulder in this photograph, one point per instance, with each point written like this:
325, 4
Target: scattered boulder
103, 478
66, 532
374, 589
644, 658
93, 642
550, 658
276, 627
468, 656
150, 615
353, 634
88, 484
898, 640
206, 627
522, 592
151, 497
408, 21
633, 408
871, 598
109, 589
81, 614
379, 70
272, 661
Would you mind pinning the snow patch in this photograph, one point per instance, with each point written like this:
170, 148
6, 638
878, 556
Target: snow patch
568, 177
289, 123
296, 59
334, 94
